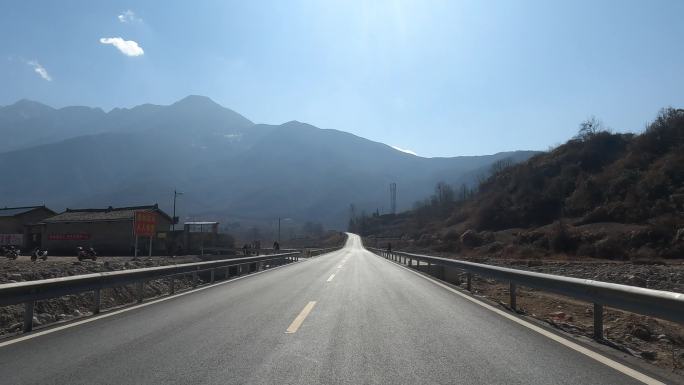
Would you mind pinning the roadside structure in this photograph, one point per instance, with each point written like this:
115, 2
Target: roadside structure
198, 236
111, 231
17, 225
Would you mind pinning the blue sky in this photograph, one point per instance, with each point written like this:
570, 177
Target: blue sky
441, 78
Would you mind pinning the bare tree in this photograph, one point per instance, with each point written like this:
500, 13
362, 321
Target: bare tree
444, 193
500, 165
589, 128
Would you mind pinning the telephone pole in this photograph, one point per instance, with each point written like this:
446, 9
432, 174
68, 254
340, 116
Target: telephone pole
174, 219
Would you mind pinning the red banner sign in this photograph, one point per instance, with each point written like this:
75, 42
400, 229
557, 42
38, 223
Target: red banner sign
145, 223
11, 239
69, 237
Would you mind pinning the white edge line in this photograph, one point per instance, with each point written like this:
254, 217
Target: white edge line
331, 278
563, 341
129, 308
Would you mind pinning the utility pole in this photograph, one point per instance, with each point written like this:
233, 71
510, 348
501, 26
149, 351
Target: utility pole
393, 198
278, 230
173, 222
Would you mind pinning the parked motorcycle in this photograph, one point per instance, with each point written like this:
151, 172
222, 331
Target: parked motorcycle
38, 253
86, 253
10, 252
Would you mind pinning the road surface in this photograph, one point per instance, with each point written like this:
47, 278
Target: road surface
347, 317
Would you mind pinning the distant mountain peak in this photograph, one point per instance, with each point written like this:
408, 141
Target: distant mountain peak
192, 105
197, 101
30, 104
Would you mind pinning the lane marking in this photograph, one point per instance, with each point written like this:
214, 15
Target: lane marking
331, 278
339, 267
561, 340
300, 318
134, 307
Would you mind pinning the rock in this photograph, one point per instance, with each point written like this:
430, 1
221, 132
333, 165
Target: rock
558, 315
15, 277
76, 313
45, 318
471, 238
16, 326
494, 247
642, 332
36, 321
649, 355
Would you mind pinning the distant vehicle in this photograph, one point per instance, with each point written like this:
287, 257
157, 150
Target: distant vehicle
10, 252
38, 253
86, 253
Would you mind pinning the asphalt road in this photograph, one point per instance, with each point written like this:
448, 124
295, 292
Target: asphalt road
373, 322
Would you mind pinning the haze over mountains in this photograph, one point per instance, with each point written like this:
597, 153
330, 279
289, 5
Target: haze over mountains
229, 168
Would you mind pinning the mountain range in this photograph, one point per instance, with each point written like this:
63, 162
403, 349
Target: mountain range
229, 168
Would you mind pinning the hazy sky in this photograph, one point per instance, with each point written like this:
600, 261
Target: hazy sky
440, 78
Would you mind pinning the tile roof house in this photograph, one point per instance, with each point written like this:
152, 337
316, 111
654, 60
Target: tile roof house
15, 223
108, 214
109, 230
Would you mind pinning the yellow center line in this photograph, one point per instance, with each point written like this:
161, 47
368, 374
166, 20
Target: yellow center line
300, 318
331, 278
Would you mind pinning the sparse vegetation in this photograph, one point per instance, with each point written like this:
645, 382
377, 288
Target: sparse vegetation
601, 194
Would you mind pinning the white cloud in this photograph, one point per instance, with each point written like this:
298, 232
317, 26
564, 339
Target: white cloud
40, 70
404, 150
127, 47
128, 16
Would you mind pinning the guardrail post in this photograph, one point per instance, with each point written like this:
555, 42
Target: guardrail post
28, 316
469, 282
173, 285
512, 288
96, 301
194, 279
598, 321
141, 287
212, 276
227, 275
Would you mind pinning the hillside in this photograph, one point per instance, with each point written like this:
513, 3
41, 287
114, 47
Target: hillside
229, 168
599, 195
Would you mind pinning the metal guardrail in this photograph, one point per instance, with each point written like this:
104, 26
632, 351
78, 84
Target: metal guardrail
30, 291
317, 252
657, 303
